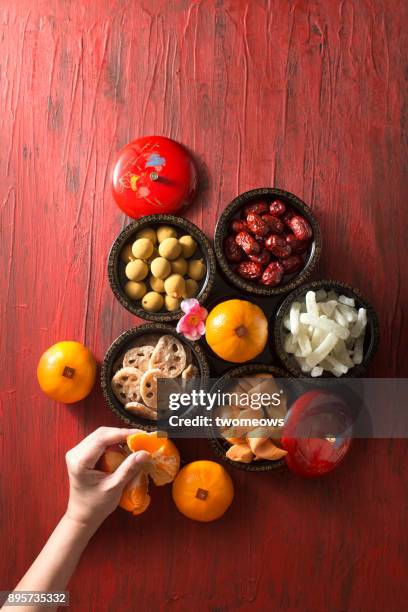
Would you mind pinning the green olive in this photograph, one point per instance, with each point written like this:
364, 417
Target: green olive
152, 301
160, 267
170, 248
136, 270
149, 233
126, 254
142, 248
191, 289
188, 245
157, 284
165, 231
171, 303
179, 266
175, 285
196, 269
135, 290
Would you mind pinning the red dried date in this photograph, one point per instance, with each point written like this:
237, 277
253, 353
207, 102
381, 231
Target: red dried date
297, 246
275, 225
278, 246
249, 269
264, 257
258, 208
300, 227
257, 225
292, 264
232, 251
260, 240
238, 225
286, 217
247, 243
272, 274
277, 208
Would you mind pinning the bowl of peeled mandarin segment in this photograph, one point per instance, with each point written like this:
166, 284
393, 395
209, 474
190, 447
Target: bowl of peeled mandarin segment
158, 261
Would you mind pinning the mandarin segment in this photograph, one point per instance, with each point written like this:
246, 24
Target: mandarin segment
165, 458
135, 497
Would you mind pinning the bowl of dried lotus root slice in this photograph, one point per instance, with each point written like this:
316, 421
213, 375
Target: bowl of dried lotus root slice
325, 329
135, 362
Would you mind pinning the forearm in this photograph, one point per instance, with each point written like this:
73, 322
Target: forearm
55, 564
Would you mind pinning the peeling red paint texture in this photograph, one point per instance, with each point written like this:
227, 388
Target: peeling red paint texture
306, 96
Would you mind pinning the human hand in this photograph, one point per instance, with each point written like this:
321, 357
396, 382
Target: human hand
93, 494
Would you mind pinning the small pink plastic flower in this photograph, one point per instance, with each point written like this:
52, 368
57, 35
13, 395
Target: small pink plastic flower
192, 324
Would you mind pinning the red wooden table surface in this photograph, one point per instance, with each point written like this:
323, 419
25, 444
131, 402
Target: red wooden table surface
306, 96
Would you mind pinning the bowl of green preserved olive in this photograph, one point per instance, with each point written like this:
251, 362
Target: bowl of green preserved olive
156, 262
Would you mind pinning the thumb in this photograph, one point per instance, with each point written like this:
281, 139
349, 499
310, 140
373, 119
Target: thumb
129, 468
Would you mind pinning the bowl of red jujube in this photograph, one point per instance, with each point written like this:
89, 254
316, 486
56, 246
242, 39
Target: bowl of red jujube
267, 242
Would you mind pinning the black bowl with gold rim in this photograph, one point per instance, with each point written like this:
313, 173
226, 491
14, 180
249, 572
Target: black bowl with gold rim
148, 334
277, 328
116, 265
289, 281
219, 445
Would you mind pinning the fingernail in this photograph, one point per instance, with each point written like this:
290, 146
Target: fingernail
142, 456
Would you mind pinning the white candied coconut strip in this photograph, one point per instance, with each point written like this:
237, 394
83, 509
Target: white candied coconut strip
325, 324
329, 368
358, 350
286, 323
360, 324
340, 319
327, 308
304, 344
317, 337
294, 318
341, 353
336, 364
303, 365
327, 333
322, 350
311, 306
350, 314
343, 299
316, 371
